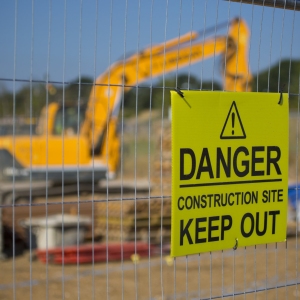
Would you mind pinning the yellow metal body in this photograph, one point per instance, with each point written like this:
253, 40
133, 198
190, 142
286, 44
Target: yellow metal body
99, 127
37, 152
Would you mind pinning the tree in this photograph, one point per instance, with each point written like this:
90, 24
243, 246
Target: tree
72, 91
184, 82
280, 77
158, 97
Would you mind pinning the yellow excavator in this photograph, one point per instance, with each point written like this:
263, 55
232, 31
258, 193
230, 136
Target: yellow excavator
74, 144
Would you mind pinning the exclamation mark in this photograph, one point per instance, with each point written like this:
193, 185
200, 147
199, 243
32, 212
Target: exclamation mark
232, 121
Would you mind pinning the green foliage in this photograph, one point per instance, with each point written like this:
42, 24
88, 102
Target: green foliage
158, 97
26, 102
32, 98
283, 76
79, 89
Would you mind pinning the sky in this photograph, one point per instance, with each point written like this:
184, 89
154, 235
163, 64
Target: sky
60, 40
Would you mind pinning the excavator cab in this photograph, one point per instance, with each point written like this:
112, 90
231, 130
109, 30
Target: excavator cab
66, 120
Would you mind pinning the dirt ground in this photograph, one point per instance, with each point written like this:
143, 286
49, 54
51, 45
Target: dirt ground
262, 272
271, 271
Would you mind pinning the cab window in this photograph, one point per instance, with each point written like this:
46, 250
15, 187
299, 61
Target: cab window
70, 124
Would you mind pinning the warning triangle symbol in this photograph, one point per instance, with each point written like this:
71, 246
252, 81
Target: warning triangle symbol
233, 126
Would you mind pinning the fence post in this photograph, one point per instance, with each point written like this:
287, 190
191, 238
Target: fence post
286, 4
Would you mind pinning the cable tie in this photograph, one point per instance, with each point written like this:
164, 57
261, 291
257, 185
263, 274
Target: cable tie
236, 244
281, 91
180, 93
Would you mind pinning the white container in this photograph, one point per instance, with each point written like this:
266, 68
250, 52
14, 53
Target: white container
56, 231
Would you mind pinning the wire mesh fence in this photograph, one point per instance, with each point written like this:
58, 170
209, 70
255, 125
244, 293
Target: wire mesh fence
85, 144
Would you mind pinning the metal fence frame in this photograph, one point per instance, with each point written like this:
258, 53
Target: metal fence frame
190, 266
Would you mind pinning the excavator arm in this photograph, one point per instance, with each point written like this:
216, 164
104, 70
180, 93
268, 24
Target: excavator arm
103, 105
68, 156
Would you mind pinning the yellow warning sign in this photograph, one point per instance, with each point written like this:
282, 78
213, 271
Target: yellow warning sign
233, 127
229, 170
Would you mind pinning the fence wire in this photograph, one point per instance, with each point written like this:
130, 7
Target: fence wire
85, 146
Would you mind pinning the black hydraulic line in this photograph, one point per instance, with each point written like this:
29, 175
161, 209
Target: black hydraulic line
215, 28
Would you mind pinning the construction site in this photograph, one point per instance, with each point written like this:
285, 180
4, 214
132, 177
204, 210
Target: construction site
86, 173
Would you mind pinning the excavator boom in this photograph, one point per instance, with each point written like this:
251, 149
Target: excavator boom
105, 97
